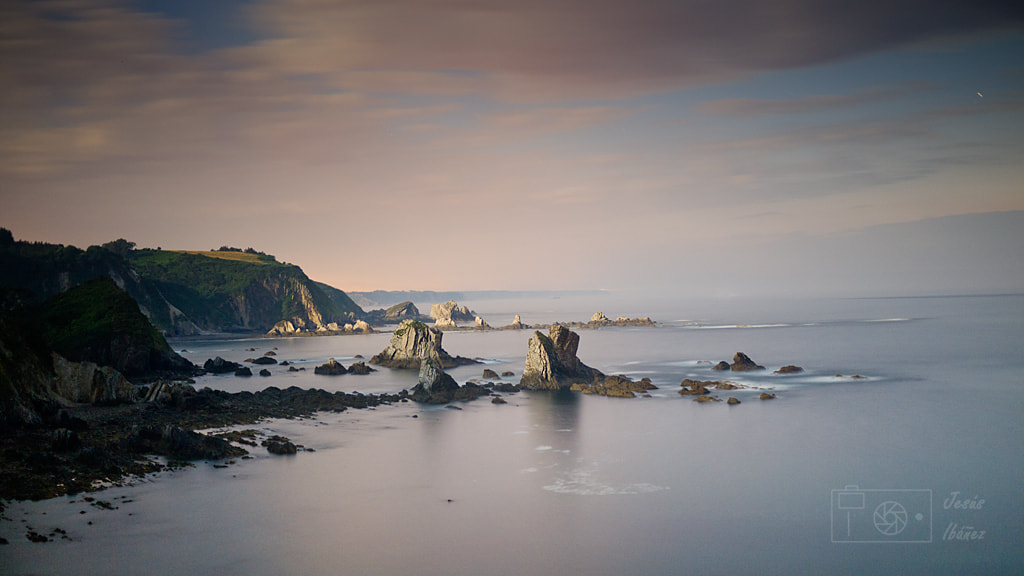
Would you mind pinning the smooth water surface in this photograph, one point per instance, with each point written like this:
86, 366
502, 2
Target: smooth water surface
567, 484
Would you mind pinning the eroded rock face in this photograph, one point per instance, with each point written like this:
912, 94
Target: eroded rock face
86, 382
446, 315
413, 342
402, 311
434, 385
551, 361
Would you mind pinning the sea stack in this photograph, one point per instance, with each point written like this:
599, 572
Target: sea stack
551, 361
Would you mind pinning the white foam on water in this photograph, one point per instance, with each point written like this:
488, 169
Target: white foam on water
542, 448
583, 482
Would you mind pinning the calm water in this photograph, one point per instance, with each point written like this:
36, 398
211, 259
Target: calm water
567, 484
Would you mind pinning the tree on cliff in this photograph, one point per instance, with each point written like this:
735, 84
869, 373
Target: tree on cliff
121, 247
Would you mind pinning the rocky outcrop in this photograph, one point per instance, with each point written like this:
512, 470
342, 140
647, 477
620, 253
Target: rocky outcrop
413, 342
617, 386
482, 324
243, 371
298, 327
219, 365
264, 360
360, 369
551, 361
490, 374
85, 382
742, 363
789, 369
732, 401
517, 324
280, 445
767, 396
447, 315
402, 311
721, 366
331, 368
434, 384
694, 387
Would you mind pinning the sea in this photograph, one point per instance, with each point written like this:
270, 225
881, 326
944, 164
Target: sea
898, 450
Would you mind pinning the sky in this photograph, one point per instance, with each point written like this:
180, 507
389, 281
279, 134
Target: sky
726, 148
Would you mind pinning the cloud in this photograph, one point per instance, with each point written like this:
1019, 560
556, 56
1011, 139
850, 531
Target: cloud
754, 107
603, 49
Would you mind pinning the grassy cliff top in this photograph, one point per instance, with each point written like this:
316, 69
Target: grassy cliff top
227, 255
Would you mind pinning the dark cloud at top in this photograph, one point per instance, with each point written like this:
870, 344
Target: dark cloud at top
657, 43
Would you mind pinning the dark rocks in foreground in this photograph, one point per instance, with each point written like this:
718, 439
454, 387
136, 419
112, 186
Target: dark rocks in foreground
111, 442
181, 444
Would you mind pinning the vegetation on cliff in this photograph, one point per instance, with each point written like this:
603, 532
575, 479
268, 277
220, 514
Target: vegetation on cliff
249, 293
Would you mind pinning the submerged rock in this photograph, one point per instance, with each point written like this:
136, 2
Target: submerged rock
491, 374
721, 366
790, 369
243, 371
264, 360
767, 396
732, 400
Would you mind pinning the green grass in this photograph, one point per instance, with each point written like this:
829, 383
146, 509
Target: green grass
90, 316
235, 256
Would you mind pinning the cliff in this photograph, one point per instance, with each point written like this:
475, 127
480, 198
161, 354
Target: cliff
98, 322
220, 294
34, 271
78, 347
